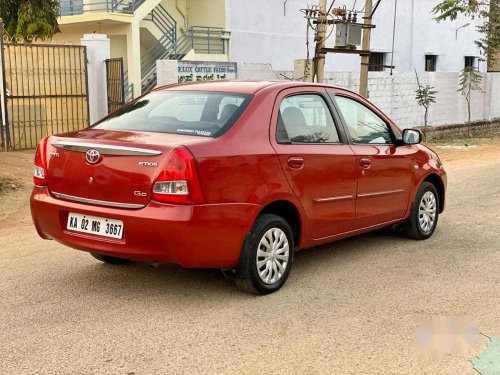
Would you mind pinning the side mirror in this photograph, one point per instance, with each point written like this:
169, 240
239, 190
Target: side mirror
412, 137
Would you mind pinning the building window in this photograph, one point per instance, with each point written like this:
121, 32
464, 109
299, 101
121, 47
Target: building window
430, 63
470, 62
377, 60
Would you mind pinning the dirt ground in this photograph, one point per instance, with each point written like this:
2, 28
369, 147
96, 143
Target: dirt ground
349, 307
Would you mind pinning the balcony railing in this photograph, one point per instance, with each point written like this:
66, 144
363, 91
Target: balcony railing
77, 7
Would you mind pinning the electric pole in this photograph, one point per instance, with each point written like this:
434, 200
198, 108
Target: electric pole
365, 46
319, 56
349, 35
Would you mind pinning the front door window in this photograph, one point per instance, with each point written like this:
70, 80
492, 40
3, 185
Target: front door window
363, 124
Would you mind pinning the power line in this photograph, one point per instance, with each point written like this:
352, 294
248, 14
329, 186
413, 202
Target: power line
362, 10
354, 6
394, 34
331, 6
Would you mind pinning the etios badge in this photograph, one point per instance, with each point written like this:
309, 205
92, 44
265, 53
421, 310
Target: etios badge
92, 156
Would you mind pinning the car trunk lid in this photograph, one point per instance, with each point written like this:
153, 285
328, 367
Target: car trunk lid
109, 168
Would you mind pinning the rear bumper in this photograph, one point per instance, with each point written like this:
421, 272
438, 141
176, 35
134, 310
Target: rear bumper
209, 235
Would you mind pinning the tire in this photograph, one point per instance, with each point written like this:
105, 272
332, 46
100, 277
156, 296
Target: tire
267, 245
424, 213
110, 260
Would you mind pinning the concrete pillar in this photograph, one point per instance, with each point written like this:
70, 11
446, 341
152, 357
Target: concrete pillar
98, 50
134, 57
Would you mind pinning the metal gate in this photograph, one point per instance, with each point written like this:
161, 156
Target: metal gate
45, 91
115, 83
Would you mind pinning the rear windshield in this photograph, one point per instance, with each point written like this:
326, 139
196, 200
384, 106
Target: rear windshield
206, 114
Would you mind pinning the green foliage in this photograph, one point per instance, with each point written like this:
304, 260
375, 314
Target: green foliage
451, 9
490, 42
470, 80
425, 96
30, 18
486, 10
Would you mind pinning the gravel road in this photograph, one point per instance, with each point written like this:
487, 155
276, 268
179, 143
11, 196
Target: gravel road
348, 308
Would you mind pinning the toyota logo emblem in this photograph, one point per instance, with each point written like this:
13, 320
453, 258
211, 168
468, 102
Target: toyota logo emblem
92, 156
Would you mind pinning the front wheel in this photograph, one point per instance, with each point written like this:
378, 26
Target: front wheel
424, 213
269, 255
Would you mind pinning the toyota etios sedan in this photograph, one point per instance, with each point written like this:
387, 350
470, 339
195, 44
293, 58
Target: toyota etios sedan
236, 176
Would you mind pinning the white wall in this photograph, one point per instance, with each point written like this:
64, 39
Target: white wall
395, 95
261, 33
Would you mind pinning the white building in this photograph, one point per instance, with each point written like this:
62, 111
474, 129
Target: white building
142, 31
265, 37
268, 35
261, 31
274, 31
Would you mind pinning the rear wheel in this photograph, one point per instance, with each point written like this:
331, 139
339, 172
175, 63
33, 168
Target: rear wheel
424, 213
110, 260
269, 255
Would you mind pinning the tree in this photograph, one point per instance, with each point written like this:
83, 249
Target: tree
425, 96
486, 10
470, 80
30, 18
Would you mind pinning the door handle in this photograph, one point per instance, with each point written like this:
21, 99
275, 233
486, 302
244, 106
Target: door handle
296, 162
365, 163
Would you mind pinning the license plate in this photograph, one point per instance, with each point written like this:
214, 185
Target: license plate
99, 226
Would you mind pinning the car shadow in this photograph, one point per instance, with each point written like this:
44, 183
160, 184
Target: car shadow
171, 281
353, 246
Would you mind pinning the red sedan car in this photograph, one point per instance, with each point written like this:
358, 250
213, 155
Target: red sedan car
236, 176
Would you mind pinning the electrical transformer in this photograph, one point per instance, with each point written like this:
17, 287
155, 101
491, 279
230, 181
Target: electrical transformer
348, 34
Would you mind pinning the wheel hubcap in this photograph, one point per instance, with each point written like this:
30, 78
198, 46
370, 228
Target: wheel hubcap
427, 212
272, 256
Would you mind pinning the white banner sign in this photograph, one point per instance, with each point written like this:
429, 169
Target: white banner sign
193, 71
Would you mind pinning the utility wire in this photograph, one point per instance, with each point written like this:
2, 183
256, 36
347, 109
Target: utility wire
331, 6
362, 10
374, 9
307, 64
394, 33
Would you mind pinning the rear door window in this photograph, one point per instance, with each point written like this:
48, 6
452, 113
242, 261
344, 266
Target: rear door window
206, 114
306, 118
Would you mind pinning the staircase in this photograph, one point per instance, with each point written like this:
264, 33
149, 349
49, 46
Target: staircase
167, 44
164, 48
201, 39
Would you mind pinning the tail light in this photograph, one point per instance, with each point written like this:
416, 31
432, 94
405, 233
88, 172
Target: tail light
40, 165
179, 182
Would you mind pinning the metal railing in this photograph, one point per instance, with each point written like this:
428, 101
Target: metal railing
45, 91
168, 27
115, 83
164, 48
77, 7
202, 39
128, 93
162, 19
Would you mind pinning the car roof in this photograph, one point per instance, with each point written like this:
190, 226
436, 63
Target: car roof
236, 86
